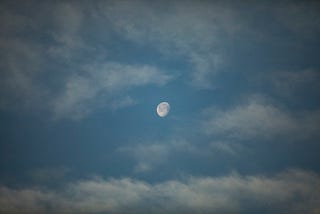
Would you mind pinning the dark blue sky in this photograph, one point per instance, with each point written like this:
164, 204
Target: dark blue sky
81, 80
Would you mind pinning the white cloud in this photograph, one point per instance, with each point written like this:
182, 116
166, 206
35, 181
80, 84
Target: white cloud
201, 32
55, 75
184, 25
99, 83
260, 120
292, 191
194, 31
198, 33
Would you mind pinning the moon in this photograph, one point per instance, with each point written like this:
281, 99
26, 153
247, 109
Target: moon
163, 109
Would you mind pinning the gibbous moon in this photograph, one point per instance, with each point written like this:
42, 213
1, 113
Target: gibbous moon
163, 109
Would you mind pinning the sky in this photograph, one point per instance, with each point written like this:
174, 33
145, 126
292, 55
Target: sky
81, 80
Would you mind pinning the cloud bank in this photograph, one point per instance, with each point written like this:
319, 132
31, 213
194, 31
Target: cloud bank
293, 191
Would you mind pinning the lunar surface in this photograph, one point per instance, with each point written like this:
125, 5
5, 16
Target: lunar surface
163, 109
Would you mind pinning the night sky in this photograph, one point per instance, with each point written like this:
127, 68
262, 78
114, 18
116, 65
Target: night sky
80, 82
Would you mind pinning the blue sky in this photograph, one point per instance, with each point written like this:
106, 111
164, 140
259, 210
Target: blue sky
81, 80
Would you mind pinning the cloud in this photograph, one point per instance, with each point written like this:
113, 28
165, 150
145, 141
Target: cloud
67, 21
38, 43
122, 102
49, 175
25, 43
60, 73
194, 31
206, 66
99, 82
147, 156
293, 191
301, 19
292, 85
204, 34
20, 65
259, 119
150, 157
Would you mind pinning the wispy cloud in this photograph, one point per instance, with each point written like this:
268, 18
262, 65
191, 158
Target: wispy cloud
122, 102
28, 64
292, 85
293, 191
84, 92
196, 33
203, 32
149, 157
258, 119
21, 64
190, 30
67, 20
301, 19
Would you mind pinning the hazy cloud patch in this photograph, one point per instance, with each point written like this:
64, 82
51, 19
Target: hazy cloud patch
258, 119
301, 19
21, 66
83, 92
148, 157
179, 30
295, 83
